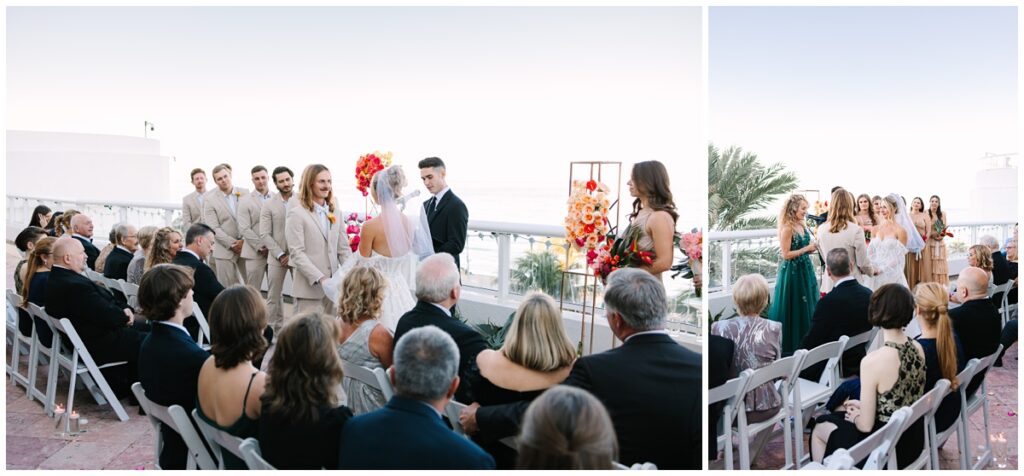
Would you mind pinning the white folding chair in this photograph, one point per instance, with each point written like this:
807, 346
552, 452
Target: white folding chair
376, 378
219, 440
48, 396
131, 292
783, 371
731, 393
177, 419
923, 408
639, 466
81, 362
937, 439
971, 405
204, 326
867, 338
1005, 308
875, 450
250, 449
808, 396
20, 345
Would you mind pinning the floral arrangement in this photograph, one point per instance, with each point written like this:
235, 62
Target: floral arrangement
586, 225
690, 244
820, 208
353, 228
941, 231
623, 252
367, 165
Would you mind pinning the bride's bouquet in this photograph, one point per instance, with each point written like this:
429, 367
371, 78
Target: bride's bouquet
623, 252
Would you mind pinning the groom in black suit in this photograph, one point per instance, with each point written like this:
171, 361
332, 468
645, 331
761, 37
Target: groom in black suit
447, 215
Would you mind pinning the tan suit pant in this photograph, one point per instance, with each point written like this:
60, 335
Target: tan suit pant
275, 296
229, 271
255, 269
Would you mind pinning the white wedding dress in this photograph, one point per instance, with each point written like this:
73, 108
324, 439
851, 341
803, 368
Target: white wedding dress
400, 274
888, 256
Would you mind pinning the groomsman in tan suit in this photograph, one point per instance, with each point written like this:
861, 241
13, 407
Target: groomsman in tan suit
316, 244
220, 209
254, 254
192, 204
272, 232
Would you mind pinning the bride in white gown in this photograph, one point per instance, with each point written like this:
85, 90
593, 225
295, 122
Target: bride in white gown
890, 243
393, 243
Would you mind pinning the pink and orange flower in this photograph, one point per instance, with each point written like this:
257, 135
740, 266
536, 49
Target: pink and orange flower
367, 165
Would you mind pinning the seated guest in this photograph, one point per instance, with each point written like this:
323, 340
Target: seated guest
62, 222
54, 225
230, 386
843, 311
891, 377
976, 321
25, 241
943, 354
40, 260
758, 342
364, 340
198, 245
105, 328
657, 420
81, 230
169, 359
409, 433
978, 257
40, 217
101, 260
720, 370
137, 265
1000, 266
302, 417
567, 428
535, 356
126, 238
167, 242
438, 289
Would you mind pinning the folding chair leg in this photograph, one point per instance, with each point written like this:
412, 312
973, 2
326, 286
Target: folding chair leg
33, 366
744, 451
106, 391
71, 390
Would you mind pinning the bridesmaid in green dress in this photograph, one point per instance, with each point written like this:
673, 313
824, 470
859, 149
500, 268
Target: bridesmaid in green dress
796, 289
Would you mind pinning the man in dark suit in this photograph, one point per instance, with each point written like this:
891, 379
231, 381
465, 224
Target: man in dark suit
81, 230
170, 360
976, 321
650, 385
447, 215
409, 433
438, 289
126, 238
720, 370
843, 311
198, 245
105, 328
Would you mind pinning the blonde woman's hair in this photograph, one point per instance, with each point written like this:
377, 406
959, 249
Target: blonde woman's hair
395, 178
536, 340
890, 201
1012, 256
787, 216
982, 254
146, 234
159, 251
840, 212
362, 295
933, 307
750, 293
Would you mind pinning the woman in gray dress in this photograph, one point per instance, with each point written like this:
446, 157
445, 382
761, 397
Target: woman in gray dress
364, 340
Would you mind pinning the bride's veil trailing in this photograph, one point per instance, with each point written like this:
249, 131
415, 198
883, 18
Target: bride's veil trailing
914, 241
403, 236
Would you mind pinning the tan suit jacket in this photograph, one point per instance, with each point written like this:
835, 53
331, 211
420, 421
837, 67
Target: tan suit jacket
218, 216
313, 253
249, 207
191, 210
272, 226
852, 239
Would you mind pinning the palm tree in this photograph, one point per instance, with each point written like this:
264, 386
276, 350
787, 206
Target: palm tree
739, 187
538, 270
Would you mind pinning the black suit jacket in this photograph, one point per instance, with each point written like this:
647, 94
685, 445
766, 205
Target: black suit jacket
448, 225
978, 324
169, 364
207, 287
91, 252
651, 387
470, 341
1000, 269
720, 370
843, 311
116, 266
99, 321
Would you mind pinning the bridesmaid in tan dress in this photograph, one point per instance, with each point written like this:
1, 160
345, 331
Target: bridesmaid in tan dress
919, 266
864, 213
936, 244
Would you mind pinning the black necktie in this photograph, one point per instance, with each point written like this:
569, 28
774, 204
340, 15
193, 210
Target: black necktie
431, 206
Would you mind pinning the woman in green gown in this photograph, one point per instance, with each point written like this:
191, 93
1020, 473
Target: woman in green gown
796, 289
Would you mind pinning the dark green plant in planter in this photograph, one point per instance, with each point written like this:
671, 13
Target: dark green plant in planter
538, 270
494, 335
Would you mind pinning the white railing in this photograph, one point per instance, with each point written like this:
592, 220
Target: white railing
750, 251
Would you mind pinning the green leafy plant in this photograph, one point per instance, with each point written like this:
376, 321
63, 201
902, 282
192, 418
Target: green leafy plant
538, 270
493, 334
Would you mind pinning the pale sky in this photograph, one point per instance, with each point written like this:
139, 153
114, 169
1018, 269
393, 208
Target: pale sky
507, 96
876, 99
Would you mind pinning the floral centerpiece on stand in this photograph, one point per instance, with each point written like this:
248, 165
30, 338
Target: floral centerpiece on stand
353, 227
367, 165
586, 224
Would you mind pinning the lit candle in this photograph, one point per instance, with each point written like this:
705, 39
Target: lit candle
74, 422
58, 414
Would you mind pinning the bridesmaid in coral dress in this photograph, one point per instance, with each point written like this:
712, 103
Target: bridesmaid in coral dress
919, 265
936, 244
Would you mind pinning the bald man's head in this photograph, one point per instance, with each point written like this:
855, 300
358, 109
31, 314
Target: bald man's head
81, 224
69, 253
975, 280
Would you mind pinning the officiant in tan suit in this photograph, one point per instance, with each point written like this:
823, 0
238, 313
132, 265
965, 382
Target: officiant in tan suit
841, 231
192, 204
272, 232
220, 211
254, 254
316, 244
